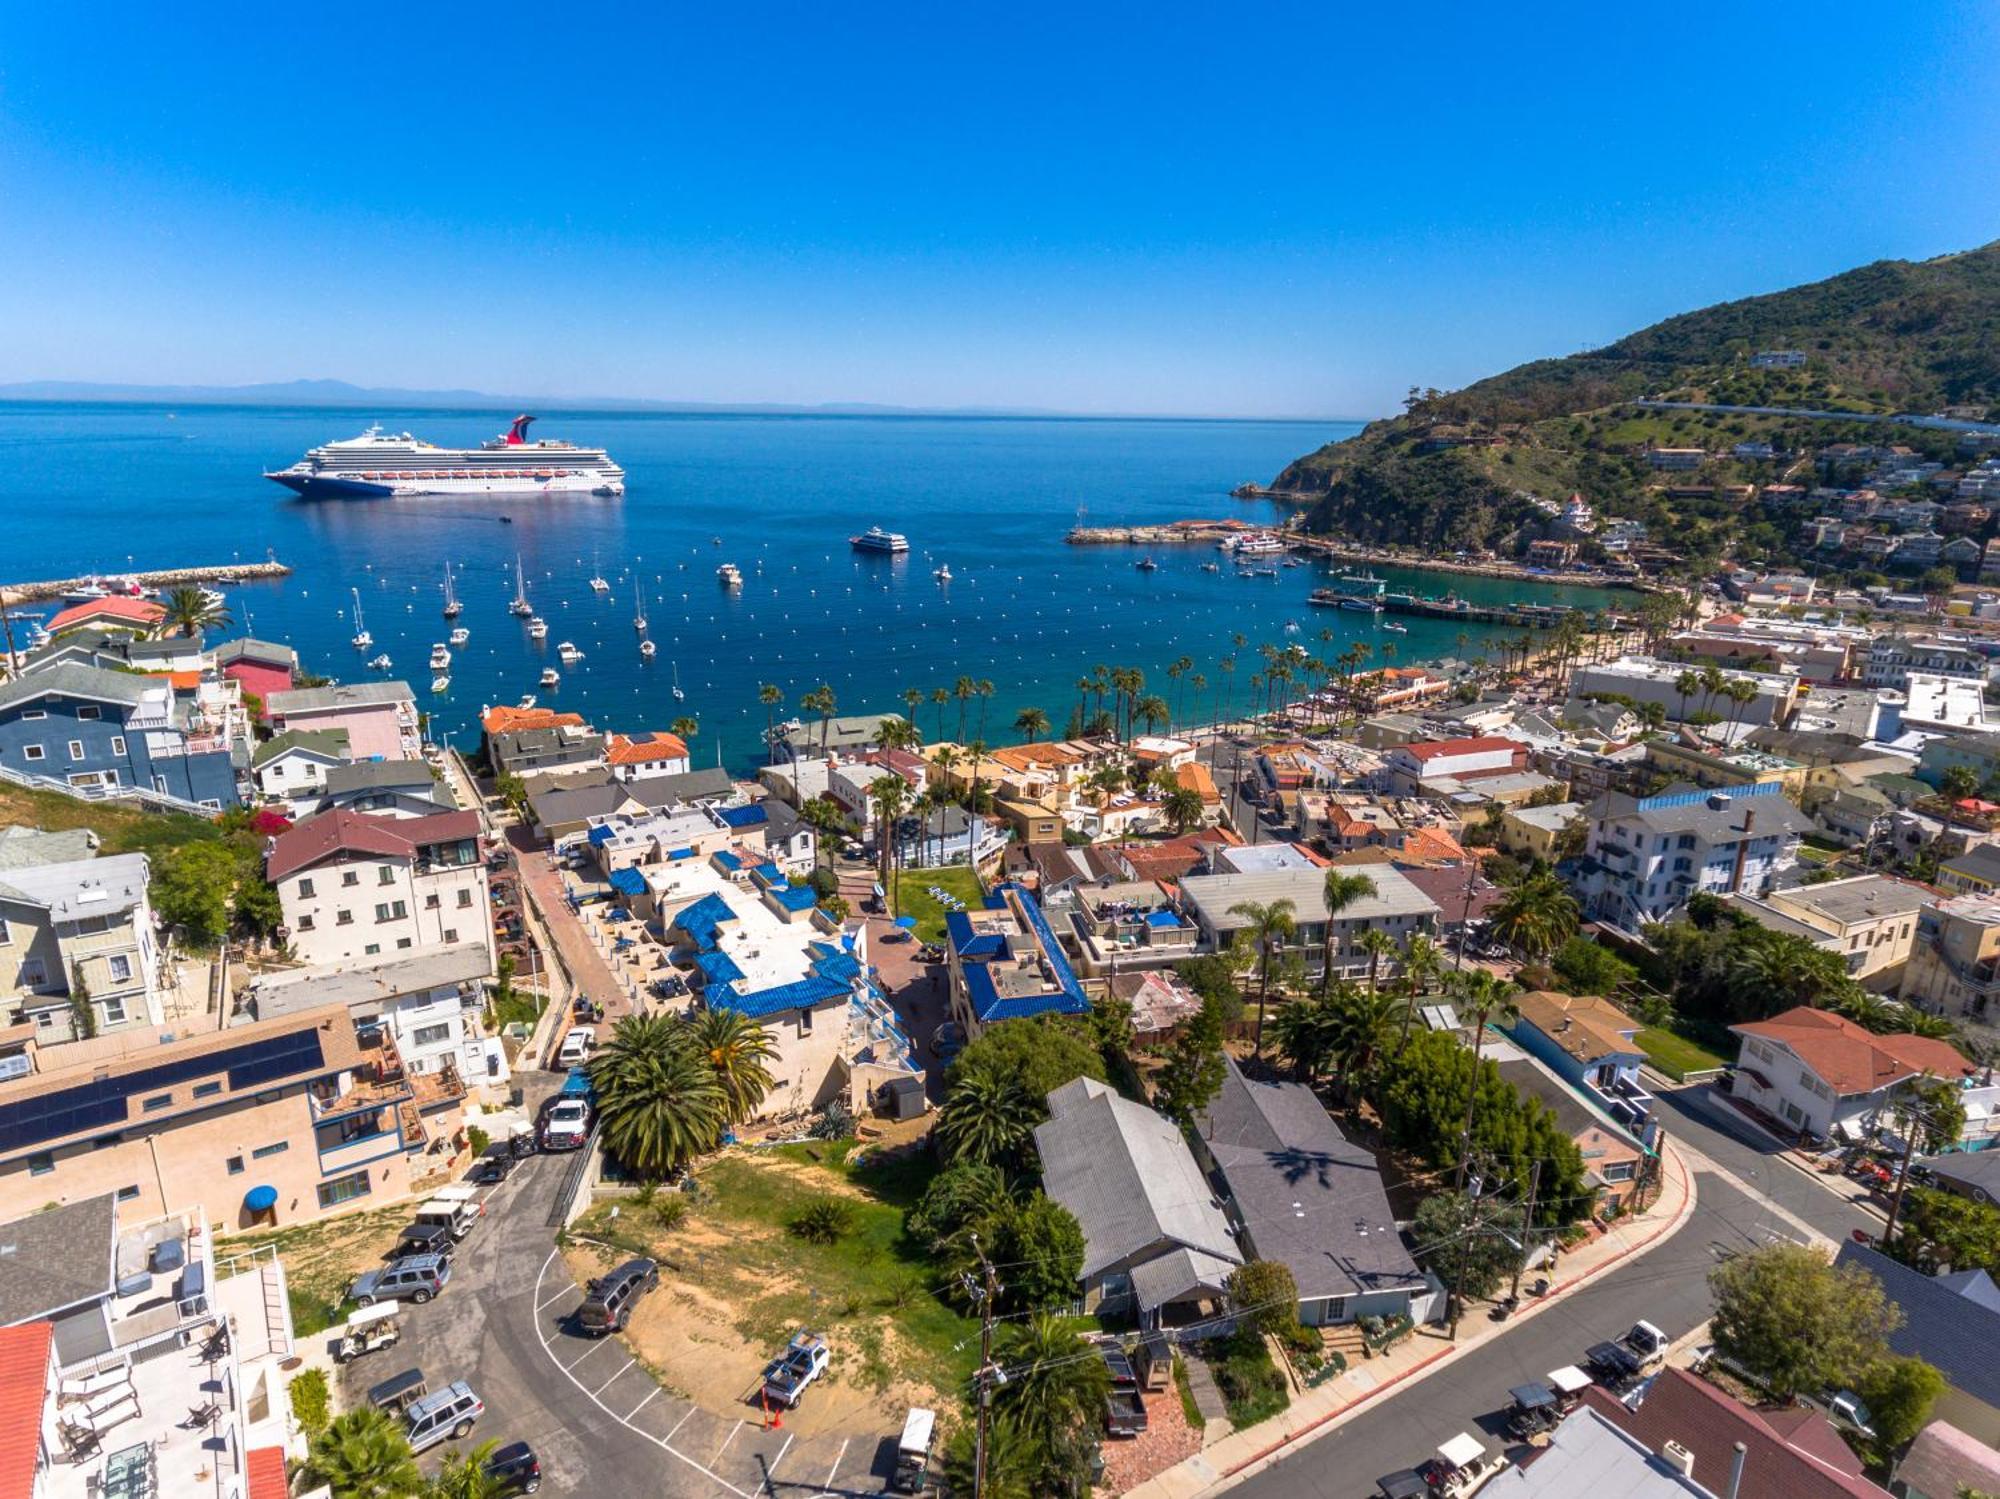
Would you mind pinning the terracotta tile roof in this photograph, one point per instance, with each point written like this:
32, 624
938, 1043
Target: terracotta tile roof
1431, 844
1585, 1026
1781, 1459
1046, 755
1171, 858
345, 832
505, 720
119, 610
24, 1389
643, 748
1432, 750
1850, 1059
266, 1467
1194, 776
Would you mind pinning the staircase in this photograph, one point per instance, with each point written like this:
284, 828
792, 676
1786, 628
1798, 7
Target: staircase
154, 801
1346, 1340
276, 1301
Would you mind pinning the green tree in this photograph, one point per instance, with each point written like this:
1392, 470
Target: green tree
1536, 917
1184, 808
1041, 1051
1341, 890
1267, 927
1213, 976
684, 728
1488, 997
1796, 1322
1464, 1241
1935, 1108
1959, 782
658, 1099
736, 1049
1031, 724
1585, 966
364, 1455
1304, 1034
1053, 1397
192, 886
82, 1014
512, 790
190, 611
1942, 1231
959, 1198
1266, 1295
1899, 1391
1041, 1243
988, 1116
890, 794
1194, 1070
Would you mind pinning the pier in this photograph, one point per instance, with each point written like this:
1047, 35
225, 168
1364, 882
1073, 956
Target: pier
170, 577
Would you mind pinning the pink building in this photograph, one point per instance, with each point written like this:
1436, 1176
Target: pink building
262, 668
380, 717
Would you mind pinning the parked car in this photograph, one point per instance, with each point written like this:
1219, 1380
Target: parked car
575, 1046
417, 1278
369, 1330
423, 1238
456, 1216
514, 1469
566, 1125
447, 1415
1124, 1407
912, 1474
608, 1300
399, 1392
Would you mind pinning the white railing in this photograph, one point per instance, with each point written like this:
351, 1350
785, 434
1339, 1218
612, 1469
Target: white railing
157, 800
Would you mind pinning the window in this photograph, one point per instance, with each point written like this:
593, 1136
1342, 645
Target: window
89, 710
207, 1090
1617, 1171
371, 949
117, 744
33, 752
76, 749
402, 942
305, 923
157, 1102
5, 936
451, 934
464, 899
432, 901
343, 918
384, 875
121, 967
36, 713
41, 1163
235, 1165
128, 1194
350, 877
32, 974
113, 1011
432, 1035
305, 889
385, 912
265, 1152
343, 1189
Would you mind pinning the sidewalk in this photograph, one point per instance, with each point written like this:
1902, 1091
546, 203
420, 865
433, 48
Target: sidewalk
1243, 1453
587, 969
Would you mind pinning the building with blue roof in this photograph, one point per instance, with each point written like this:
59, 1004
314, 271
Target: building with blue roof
1005, 963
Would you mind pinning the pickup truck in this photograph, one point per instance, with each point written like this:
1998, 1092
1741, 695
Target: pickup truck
804, 1360
1642, 1349
1124, 1407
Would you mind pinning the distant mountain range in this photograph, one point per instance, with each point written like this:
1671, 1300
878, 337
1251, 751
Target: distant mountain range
342, 393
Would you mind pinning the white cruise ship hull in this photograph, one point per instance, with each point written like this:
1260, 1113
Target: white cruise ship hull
381, 466
322, 484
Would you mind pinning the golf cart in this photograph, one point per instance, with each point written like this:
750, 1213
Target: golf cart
1535, 1411
397, 1393
369, 1330
913, 1453
1462, 1467
1569, 1383
1405, 1483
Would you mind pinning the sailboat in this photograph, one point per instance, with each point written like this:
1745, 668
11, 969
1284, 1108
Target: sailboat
677, 681
520, 608
362, 639
598, 582
646, 650
452, 607
639, 611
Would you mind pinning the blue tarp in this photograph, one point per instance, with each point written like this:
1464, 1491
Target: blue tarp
628, 882
794, 897
1163, 918
601, 834
751, 816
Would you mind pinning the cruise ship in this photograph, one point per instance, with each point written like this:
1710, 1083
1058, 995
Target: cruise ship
875, 539
376, 465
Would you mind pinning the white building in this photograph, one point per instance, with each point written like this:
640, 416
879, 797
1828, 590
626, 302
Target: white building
293, 765
1397, 908
1645, 679
1824, 1075
69, 917
354, 885
641, 756
1644, 858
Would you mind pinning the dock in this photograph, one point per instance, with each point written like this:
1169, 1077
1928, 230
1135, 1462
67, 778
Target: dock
170, 577
1525, 616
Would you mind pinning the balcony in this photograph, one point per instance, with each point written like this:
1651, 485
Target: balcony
164, 1279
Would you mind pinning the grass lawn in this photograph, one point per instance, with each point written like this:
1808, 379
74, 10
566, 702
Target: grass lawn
124, 830
322, 1258
1814, 854
1249, 1379
913, 896
1675, 1055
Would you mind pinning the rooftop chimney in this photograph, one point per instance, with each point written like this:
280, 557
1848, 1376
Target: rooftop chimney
1735, 1472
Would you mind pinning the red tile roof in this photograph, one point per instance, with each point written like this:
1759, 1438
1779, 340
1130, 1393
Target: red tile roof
1784, 1458
1431, 751
1850, 1059
24, 1391
345, 832
505, 720
266, 1467
643, 748
121, 611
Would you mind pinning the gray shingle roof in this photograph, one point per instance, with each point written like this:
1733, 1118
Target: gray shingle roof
1941, 1324
1976, 1170
341, 695
249, 649
73, 679
379, 775
691, 786
329, 744
1713, 824
56, 1259
111, 886
1127, 1175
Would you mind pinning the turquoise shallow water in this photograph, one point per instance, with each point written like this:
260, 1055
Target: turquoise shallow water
110, 487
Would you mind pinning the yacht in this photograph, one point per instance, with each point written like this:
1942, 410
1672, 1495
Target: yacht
569, 653
520, 608
452, 607
382, 662
646, 649
943, 572
875, 539
1395, 629
459, 636
538, 628
551, 677
377, 465
1147, 565
1257, 544
730, 574
440, 656
678, 694
527, 702
440, 683
362, 639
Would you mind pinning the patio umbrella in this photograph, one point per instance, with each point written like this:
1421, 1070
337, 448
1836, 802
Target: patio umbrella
907, 923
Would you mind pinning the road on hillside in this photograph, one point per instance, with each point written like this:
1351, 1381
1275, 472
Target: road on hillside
1667, 1286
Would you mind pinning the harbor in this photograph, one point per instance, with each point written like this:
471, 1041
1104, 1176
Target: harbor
170, 577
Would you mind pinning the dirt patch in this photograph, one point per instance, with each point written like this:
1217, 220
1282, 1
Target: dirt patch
322, 1258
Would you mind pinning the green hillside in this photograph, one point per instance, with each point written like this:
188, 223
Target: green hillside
1460, 468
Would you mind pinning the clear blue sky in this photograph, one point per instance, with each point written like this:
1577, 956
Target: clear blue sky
1216, 209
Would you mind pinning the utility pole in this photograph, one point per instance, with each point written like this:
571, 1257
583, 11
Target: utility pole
985, 1296
1466, 1236
1527, 1228
1912, 1118
1465, 914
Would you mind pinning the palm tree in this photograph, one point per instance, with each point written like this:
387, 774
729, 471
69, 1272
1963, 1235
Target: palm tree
658, 1101
1537, 917
1184, 808
1055, 1388
984, 689
1362, 1021
988, 1116
193, 610
364, 1455
1488, 996
465, 1476
963, 689
684, 728
890, 794
1031, 724
1267, 926
1378, 944
820, 700
939, 697
824, 816
1686, 685
737, 1048
913, 699
1341, 891
770, 695
1152, 711
1423, 961
1304, 1034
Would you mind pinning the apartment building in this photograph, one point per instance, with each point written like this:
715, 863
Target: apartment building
1397, 908
76, 934
1004, 962
380, 717
94, 729
1871, 920
1644, 857
358, 885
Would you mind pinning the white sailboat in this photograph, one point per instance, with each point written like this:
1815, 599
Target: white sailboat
452, 607
677, 681
520, 608
639, 611
362, 639
598, 582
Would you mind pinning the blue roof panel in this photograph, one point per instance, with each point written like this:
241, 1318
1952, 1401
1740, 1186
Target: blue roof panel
628, 882
701, 920
794, 897
751, 816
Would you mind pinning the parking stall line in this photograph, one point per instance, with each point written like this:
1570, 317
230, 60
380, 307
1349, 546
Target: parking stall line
771, 1468
596, 1343
541, 1305
649, 1397
621, 1369
725, 1442
679, 1424
838, 1458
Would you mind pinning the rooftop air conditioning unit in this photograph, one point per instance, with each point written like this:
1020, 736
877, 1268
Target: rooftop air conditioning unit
1679, 1458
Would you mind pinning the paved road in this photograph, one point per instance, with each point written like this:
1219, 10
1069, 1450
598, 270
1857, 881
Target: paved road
1666, 1286
599, 1421
1227, 763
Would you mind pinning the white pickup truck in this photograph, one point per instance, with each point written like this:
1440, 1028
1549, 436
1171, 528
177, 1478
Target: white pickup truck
1642, 1349
804, 1360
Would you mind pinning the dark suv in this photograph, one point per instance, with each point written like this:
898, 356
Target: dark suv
608, 1301
514, 1469
423, 1238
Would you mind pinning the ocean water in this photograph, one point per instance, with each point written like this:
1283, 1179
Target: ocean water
112, 488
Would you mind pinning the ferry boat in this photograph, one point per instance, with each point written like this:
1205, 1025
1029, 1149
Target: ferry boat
377, 465
730, 575
1360, 585
1256, 544
875, 539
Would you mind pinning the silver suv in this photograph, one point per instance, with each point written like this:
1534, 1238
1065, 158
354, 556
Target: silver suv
415, 1277
447, 1414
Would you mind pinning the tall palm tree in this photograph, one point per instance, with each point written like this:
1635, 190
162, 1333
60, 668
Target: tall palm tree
193, 610
736, 1048
1031, 724
890, 794
963, 689
1487, 996
1267, 927
1341, 891
770, 695
1423, 961
1686, 685
1152, 711
364, 1455
1055, 1388
984, 689
913, 699
821, 700
658, 1101
988, 1116
939, 697
823, 815
464, 1476
1378, 944
1537, 916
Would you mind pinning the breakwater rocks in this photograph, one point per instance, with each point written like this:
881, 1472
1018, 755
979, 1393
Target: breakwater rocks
171, 577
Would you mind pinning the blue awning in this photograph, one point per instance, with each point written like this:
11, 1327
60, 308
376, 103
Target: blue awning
260, 1199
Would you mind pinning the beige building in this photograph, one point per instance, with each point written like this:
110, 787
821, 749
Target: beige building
358, 886
1534, 832
1954, 966
1712, 770
1871, 920
70, 918
278, 1121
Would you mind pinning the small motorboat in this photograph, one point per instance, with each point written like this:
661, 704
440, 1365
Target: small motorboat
942, 572
440, 656
538, 628
1147, 565
569, 653
551, 677
647, 649
527, 702
1396, 629
382, 662
440, 683
460, 635
1211, 567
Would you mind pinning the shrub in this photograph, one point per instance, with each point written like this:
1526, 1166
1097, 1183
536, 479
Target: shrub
312, 1402
824, 1219
1251, 1384
477, 1139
